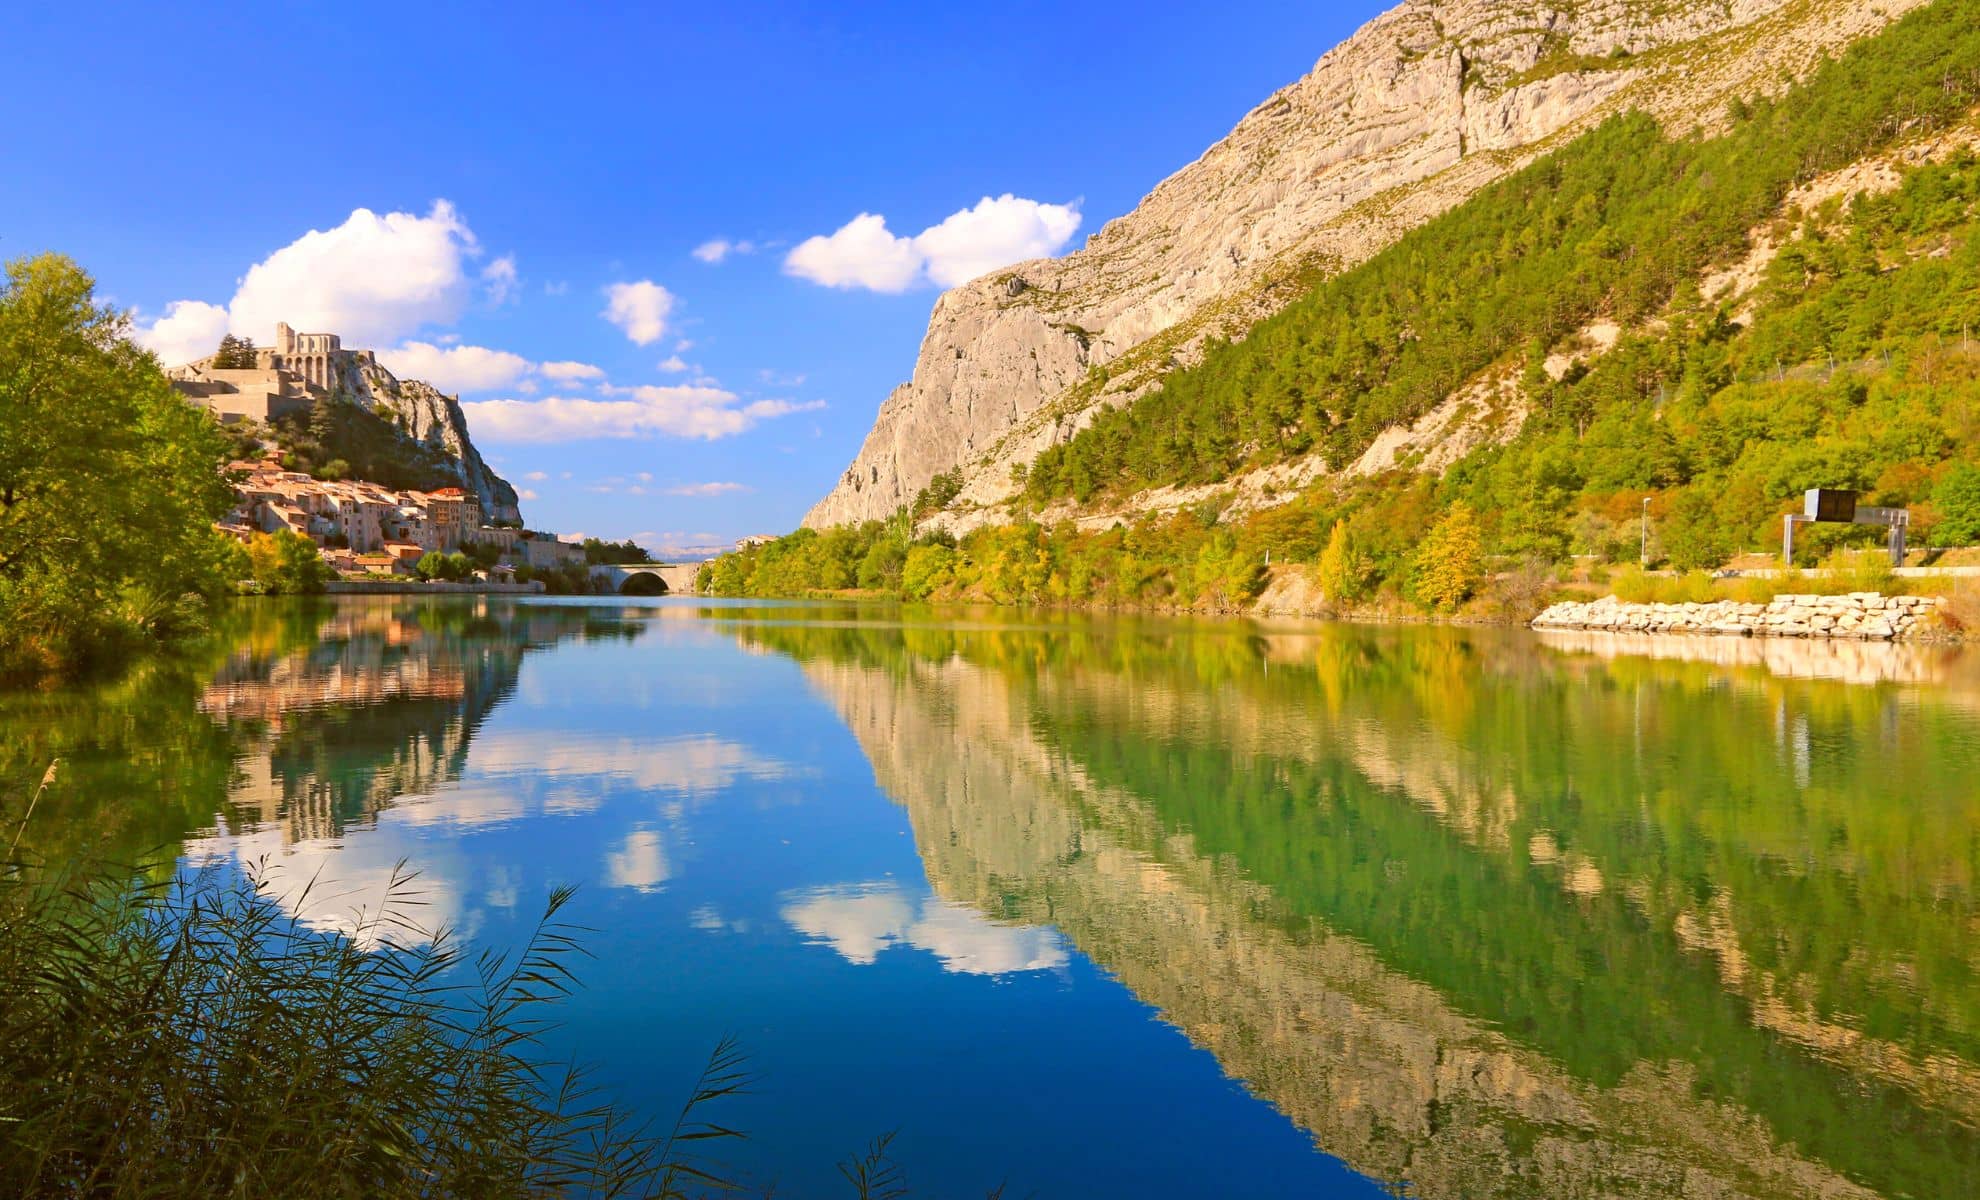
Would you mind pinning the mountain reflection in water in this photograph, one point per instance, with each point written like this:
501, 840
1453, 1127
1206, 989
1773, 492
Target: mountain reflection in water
1482, 914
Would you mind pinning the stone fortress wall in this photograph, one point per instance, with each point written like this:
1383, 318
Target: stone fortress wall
1859, 616
288, 377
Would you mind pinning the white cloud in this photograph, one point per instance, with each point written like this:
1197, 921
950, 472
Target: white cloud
675, 546
536, 476
374, 280
673, 364
556, 289
707, 489
498, 280
714, 250
189, 329
639, 309
652, 410
997, 232
860, 253
571, 372
455, 368
861, 920
526, 494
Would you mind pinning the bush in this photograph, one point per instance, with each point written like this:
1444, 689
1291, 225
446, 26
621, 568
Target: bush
1957, 499
1520, 594
1862, 571
928, 569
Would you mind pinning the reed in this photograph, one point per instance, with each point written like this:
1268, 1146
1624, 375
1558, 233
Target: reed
190, 1038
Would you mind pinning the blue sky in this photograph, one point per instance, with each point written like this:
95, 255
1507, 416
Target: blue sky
509, 200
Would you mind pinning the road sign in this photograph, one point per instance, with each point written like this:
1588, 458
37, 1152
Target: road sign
1829, 504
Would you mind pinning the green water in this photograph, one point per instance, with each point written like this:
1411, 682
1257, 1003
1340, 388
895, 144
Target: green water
1206, 908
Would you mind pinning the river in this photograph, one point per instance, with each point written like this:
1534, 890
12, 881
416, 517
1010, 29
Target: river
1132, 907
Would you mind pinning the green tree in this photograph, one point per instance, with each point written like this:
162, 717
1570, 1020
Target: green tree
1448, 564
448, 567
287, 563
1957, 497
1697, 537
881, 568
109, 482
597, 550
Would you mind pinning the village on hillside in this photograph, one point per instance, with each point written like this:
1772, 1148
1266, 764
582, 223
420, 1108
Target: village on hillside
362, 529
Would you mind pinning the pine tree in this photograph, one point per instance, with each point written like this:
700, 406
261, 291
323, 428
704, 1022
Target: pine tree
228, 356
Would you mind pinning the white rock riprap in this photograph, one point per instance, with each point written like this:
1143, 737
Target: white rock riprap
1858, 616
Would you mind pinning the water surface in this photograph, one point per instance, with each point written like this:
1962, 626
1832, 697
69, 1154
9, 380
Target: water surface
1111, 907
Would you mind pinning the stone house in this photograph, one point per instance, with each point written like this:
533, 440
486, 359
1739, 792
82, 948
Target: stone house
544, 553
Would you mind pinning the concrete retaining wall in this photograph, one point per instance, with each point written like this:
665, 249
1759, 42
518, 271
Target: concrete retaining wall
1859, 616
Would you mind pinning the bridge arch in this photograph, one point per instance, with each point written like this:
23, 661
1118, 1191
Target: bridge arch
645, 579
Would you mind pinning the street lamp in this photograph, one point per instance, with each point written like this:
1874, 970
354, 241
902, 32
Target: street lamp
1646, 533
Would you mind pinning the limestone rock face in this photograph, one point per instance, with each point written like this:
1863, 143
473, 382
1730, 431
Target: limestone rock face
1423, 106
425, 414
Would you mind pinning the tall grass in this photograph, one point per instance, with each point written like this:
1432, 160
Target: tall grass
190, 1038
1843, 572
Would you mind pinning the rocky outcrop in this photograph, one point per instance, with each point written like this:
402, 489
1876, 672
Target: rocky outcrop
1859, 616
1422, 107
427, 415
421, 412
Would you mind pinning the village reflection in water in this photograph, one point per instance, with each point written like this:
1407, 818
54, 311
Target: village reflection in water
1478, 913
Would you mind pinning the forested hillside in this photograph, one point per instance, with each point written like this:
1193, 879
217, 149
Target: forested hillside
1850, 365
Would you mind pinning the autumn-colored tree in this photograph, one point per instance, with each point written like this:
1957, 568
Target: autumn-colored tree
1448, 564
288, 563
1344, 570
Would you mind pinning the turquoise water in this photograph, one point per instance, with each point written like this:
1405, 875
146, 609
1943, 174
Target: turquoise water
1093, 907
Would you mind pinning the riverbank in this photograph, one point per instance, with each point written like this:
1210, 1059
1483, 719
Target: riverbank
382, 587
1856, 616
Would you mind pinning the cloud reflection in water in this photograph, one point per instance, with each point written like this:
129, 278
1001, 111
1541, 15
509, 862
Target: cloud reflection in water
861, 920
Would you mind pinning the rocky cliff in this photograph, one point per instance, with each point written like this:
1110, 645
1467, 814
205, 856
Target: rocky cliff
1407, 118
428, 416
431, 422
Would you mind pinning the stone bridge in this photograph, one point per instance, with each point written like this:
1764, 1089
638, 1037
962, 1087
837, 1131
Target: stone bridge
647, 579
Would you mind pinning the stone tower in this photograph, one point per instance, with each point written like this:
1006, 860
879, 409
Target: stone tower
310, 355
